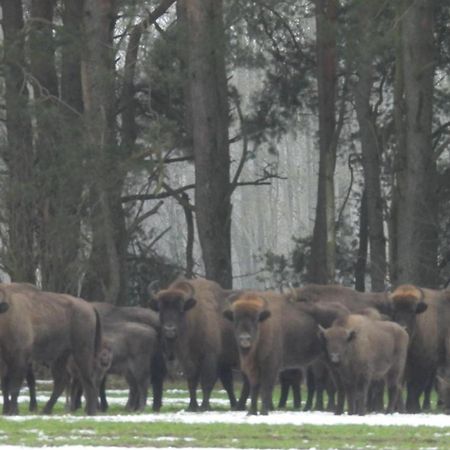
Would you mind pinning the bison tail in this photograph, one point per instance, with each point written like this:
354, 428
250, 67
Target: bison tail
98, 333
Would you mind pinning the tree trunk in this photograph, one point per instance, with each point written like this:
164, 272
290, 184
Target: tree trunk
322, 265
20, 259
106, 275
371, 151
417, 220
361, 262
209, 121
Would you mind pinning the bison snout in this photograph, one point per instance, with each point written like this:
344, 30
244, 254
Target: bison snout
170, 331
4, 307
245, 341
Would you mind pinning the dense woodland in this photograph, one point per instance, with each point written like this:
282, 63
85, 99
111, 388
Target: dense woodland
257, 143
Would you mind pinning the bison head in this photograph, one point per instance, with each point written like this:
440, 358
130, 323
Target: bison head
336, 342
246, 313
172, 305
407, 302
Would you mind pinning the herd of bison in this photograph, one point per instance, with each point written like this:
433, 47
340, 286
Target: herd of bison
350, 344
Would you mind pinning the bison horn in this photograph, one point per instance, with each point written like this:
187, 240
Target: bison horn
153, 288
422, 294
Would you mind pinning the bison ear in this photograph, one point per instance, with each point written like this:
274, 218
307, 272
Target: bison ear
154, 304
421, 307
228, 314
263, 315
351, 335
189, 303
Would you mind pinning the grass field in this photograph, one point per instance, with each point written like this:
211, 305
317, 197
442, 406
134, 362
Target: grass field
121, 429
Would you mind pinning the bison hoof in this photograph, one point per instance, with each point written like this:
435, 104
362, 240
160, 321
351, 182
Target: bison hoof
192, 408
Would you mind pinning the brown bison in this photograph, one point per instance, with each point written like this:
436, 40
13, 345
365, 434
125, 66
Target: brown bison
46, 327
131, 348
425, 313
354, 301
361, 350
195, 333
272, 334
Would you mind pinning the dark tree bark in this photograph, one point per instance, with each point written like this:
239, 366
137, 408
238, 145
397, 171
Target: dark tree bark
51, 234
106, 275
209, 120
417, 203
370, 146
20, 259
361, 262
322, 265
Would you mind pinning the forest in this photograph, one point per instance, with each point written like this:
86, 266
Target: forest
257, 143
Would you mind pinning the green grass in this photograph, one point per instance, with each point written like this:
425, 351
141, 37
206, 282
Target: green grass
48, 431
39, 432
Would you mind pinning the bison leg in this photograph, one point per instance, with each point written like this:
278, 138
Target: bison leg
426, 405
60, 380
158, 373
90, 393
311, 388
142, 393
362, 390
331, 392
5, 392
31, 382
351, 398
226, 378
245, 392
296, 392
375, 397
254, 394
14, 381
76, 391
285, 384
102, 395
267, 385
414, 390
192, 386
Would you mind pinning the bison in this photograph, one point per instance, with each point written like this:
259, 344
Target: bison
272, 334
195, 333
425, 313
361, 350
46, 327
131, 349
354, 301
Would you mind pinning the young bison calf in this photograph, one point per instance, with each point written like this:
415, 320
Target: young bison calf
361, 350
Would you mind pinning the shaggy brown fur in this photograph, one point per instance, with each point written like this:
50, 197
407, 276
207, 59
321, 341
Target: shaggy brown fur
195, 333
351, 299
131, 335
46, 327
272, 334
361, 350
425, 313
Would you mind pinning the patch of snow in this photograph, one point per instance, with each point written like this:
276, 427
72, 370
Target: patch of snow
274, 418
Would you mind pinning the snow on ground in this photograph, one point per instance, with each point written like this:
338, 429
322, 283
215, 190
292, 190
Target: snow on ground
274, 418
180, 396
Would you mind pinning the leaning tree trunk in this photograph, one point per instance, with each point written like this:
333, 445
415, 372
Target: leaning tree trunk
370, 146
322, 265
209, 121
18, 156
417, 220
